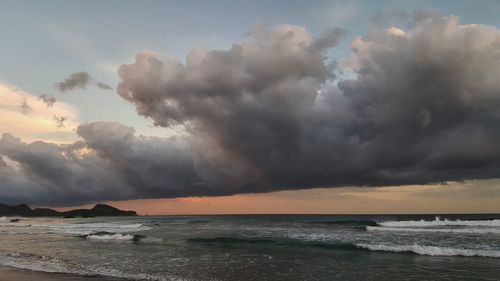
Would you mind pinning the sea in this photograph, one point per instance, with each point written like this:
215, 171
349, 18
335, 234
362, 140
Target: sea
258, 247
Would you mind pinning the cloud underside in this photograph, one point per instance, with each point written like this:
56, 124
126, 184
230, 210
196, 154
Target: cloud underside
269, 114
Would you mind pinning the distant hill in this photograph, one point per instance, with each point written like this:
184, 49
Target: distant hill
99, 210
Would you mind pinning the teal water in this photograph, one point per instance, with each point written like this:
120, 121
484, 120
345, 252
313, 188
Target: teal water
291, 247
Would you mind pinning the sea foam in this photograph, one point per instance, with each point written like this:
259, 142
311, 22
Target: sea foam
90, 228
111, 236
441, 222
57, 265
432, 250
437, 230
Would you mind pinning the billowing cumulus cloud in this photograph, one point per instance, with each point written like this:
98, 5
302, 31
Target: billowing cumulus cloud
80, 80
268, 114
114, 165
426, 100
423, 106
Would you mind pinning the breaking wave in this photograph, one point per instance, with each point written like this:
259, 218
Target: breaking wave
437, 230
108, 236
105, 236
440, 222
90, 228
9, 219
431, 250
440, 226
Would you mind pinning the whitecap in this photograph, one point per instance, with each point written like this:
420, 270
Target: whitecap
432, 250
441, 222
437, 230
111, 236
90, 228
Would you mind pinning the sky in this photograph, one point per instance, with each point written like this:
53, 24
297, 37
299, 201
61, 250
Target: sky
186, 107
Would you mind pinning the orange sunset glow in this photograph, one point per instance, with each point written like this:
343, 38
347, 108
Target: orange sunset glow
383, 200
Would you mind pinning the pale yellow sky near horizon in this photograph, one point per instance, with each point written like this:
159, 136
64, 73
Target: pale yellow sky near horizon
37, 121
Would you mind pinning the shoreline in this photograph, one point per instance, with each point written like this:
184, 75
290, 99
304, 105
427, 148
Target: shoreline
8, 273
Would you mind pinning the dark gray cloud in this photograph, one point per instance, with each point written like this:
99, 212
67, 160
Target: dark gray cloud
103, 86
52, 174
103, 166
59, 120
47, 99
25, 108
80, 80
423, 106
268, 114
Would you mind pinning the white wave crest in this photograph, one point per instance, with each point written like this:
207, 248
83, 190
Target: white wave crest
90, 228
432, 250
111, 236
10, 221
445, 230
440, 222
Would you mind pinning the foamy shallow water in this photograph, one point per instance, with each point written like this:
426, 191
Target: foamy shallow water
258, 247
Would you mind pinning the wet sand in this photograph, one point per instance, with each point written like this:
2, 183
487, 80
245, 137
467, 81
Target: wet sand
14, 274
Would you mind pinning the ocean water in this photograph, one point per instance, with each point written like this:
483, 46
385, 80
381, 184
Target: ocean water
272, 247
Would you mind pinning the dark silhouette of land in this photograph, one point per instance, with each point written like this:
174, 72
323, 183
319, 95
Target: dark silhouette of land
99, 210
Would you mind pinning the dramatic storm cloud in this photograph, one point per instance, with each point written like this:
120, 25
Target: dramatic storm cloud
422, 108
79, 80
115, 165
268, 114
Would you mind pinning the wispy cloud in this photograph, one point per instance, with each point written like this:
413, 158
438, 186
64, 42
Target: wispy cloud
80, 80
59, 120
39, 123
25, 108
